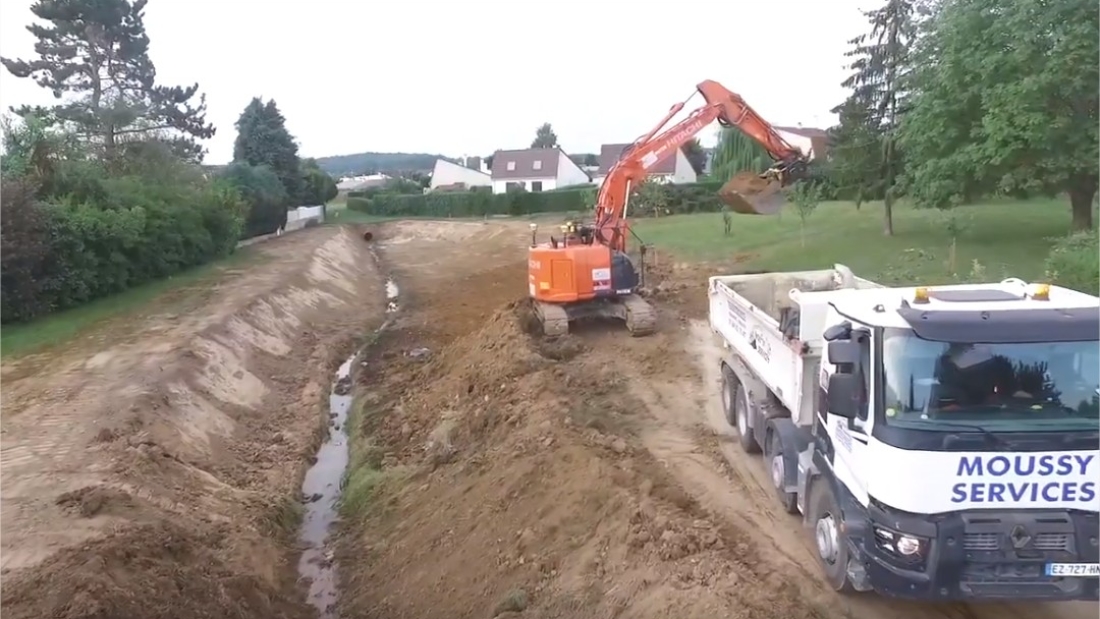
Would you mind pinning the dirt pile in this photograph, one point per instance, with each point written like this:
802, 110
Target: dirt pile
159, 477
532, 494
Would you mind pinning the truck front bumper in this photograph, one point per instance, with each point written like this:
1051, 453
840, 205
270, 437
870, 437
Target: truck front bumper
979, 555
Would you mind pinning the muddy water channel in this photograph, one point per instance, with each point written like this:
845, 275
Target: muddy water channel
324, 481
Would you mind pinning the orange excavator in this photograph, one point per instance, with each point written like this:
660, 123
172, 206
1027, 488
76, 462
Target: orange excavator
587, 273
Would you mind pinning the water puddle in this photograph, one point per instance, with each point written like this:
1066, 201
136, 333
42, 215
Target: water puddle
321, 492
322, 485
392, 294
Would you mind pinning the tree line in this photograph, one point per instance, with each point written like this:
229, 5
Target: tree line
104, 189
951, 101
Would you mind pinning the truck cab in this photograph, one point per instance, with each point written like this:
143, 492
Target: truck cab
947, 439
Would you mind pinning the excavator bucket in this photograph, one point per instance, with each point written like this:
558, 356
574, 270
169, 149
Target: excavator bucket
748, 193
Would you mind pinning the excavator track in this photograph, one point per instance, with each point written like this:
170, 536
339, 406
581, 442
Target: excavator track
641, 318
554, 319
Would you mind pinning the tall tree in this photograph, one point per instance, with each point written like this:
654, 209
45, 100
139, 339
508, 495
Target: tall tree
855, 154
94, 55
880, 68
545, 137
263, 140
737, 152
1006, 101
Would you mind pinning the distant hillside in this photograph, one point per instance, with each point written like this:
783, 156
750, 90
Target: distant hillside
373, 163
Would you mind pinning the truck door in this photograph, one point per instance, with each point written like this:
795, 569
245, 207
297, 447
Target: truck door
848, 438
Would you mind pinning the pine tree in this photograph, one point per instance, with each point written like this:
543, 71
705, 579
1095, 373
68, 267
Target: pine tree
545, 137
94, 56
263, 140
879, 72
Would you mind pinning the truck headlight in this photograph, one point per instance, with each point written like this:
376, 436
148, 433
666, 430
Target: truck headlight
910, 548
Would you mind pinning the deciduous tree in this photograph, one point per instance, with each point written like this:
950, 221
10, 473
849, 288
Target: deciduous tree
94, 56
736, 152
1006, 101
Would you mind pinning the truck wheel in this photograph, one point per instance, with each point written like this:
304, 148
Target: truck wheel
831, 543
777, 468
735, 404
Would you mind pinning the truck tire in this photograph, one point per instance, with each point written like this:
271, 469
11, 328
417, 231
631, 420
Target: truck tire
777, 470
735, 405
830, 541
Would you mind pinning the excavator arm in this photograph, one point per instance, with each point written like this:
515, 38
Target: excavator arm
746, 193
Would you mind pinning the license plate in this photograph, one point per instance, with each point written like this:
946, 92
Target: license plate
1073, 569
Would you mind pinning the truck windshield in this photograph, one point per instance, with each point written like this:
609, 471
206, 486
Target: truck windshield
1000, 387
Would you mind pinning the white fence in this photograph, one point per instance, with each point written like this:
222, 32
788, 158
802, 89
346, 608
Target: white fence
297, 218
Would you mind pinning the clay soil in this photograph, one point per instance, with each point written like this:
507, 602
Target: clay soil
589, 477
151, 468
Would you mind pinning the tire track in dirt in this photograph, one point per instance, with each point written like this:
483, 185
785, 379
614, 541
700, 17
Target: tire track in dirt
690, 433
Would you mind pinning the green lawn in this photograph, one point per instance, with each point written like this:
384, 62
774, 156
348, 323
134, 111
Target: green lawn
180, 291
1005, 238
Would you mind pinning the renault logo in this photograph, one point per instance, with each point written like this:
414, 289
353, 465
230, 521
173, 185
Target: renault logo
1019, 537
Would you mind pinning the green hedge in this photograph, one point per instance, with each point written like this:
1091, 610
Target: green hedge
687, 198
64, 252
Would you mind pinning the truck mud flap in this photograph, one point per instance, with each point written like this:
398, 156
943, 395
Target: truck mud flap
793, 441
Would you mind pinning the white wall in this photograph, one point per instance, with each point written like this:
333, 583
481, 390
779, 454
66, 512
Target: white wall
447, 173
296, 218
683, 172
501, 186
569, 173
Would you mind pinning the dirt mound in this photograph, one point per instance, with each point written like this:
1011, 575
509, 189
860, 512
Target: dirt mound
532, 494
159, 571
158, 477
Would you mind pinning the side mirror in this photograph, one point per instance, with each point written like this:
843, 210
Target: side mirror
844, 395
843, 351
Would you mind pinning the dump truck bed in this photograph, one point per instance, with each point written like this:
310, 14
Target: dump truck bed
774, 323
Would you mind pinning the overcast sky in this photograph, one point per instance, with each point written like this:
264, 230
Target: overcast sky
467, 77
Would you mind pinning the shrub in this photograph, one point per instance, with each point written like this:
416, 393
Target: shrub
264, 194
61, 252
687, 198
1074, 262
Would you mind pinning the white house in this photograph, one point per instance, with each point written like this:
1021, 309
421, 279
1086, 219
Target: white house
447, 174
812, 142
672, 169
535, 169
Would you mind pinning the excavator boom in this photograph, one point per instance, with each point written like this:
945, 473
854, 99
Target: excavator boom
746, 193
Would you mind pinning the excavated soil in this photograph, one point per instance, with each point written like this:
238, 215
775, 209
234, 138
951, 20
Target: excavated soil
591, 476
151, 468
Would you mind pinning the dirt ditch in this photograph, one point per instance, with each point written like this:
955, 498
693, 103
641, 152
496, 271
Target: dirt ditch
158, 475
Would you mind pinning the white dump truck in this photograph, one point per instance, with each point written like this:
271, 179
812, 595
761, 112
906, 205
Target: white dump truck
939, 442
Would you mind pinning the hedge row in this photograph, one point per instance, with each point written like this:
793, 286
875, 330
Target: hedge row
687, 198
60, 253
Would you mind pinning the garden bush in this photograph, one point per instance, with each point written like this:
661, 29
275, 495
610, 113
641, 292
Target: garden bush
1073, 262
